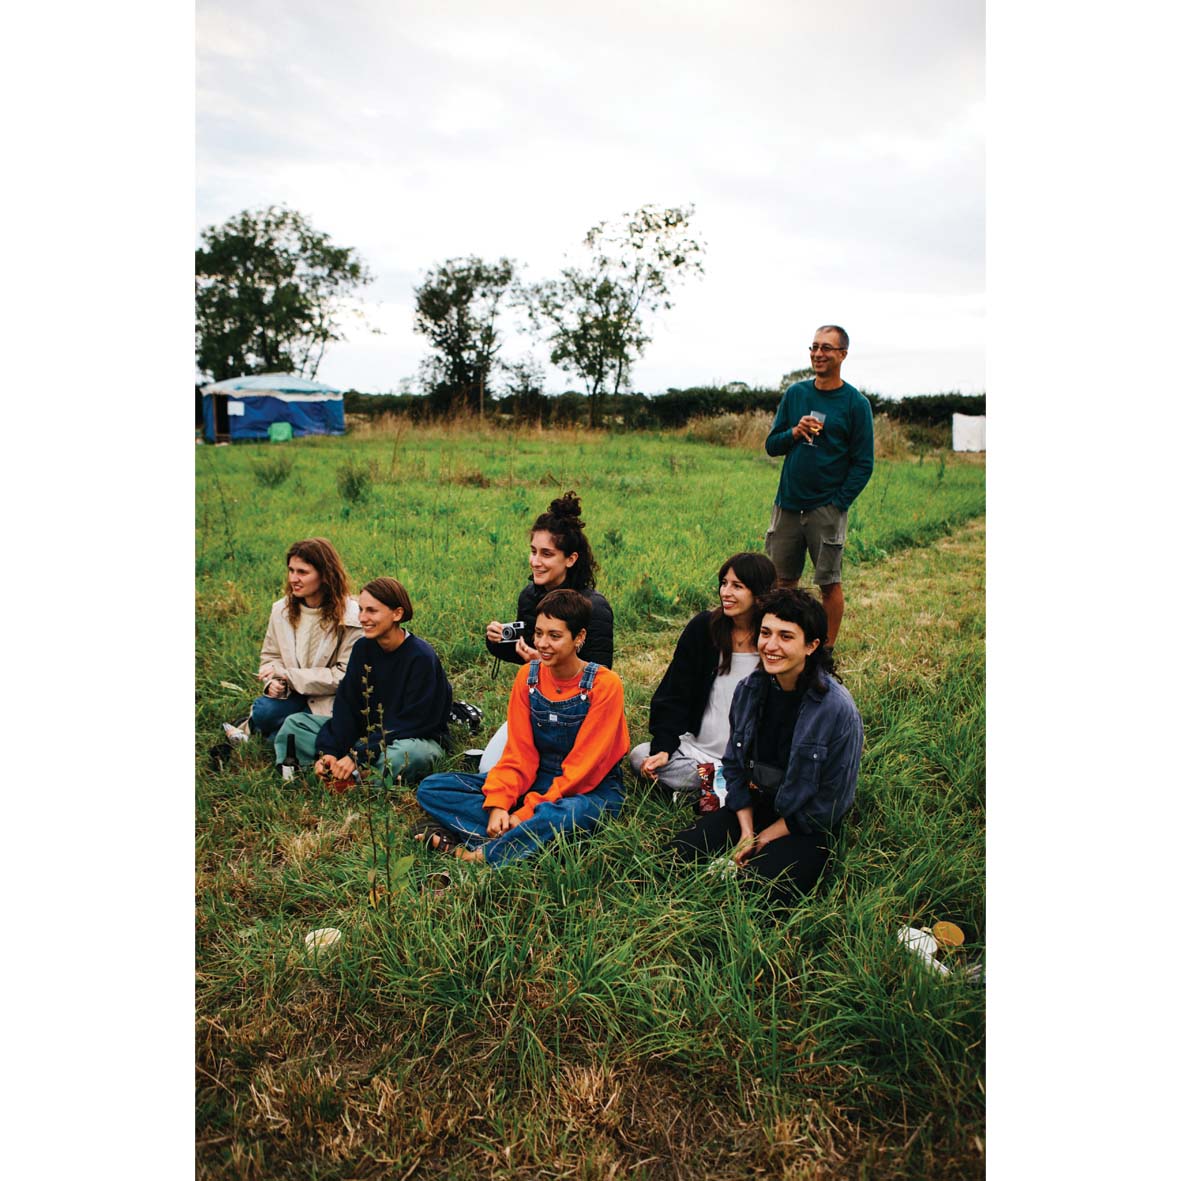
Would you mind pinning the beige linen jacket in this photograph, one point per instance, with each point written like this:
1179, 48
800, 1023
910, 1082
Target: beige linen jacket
317, 683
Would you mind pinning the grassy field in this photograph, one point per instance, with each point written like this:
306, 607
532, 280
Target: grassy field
592, 1012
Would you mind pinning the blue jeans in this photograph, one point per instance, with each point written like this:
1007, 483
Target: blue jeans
456, 801
267, 714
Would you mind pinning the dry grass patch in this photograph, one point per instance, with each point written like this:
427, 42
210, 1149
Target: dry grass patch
300, 846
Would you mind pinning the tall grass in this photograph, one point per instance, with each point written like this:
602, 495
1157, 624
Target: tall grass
595, 1011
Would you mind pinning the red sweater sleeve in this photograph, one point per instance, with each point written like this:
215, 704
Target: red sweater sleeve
602, 741
516, 768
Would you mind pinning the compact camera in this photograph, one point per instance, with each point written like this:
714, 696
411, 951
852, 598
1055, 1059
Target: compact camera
511, 632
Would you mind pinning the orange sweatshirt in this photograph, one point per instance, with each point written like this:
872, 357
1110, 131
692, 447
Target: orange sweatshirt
602, 741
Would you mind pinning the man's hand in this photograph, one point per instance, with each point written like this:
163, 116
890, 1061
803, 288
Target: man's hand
806, 428
498, 821
653, 763
276, 687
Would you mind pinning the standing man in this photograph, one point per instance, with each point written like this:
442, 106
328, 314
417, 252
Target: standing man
824, 429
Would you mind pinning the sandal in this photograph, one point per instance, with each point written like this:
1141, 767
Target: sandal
429, 830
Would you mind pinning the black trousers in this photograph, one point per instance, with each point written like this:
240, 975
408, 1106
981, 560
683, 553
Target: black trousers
791, 866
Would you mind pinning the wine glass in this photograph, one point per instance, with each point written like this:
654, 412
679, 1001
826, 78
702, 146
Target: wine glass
820, 416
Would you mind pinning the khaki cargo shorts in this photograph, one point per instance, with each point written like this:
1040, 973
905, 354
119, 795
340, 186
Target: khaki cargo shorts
820, 531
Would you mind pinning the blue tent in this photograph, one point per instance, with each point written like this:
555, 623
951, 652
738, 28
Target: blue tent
244, 407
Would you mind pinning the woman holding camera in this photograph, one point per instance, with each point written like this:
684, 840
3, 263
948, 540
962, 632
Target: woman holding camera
559, 772
690, 712
791, 763
559, 557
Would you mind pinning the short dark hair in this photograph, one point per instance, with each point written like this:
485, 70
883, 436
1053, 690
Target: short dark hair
793, 605
839, 331
392, 593
572, 608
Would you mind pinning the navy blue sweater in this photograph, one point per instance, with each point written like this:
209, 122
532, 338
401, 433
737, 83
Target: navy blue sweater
407, 693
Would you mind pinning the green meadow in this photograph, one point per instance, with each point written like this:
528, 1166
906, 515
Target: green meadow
596, 1011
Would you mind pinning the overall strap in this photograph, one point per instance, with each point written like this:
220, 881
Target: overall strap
534, 666
588, 678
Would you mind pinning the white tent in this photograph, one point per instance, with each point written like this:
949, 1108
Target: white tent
967, 432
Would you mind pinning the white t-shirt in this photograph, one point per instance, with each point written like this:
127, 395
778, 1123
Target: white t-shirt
709, 743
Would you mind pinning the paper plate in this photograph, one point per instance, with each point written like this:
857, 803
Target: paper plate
921, 941
322, 938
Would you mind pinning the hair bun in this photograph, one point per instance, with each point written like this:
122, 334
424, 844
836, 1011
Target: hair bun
568, 506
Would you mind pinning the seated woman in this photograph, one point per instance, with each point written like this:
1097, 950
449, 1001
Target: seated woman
560, 768
310, 636
791, 763
559, 556
391, 709
690, 712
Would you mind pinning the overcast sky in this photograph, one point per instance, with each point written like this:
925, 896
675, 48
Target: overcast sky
834, 154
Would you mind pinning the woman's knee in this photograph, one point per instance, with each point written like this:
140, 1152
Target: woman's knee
265, 719
412, 762
433, 785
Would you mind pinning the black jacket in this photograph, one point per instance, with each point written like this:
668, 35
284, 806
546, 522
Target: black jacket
600, 632
683, 693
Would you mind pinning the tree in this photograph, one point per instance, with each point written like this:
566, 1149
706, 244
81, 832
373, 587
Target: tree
524, 395
271, 293
794, 376
455, 308
592, 317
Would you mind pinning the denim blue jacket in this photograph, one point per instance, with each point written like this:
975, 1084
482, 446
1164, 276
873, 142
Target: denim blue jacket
821, 776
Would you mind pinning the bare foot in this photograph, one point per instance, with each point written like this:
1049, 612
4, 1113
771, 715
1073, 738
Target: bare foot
469, 854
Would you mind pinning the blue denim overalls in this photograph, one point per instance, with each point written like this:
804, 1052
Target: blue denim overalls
456, 799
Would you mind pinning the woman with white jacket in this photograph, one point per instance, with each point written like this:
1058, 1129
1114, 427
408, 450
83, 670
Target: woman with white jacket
310, 634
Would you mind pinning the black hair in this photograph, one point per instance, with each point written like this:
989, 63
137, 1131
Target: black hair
564, 524
572, 608
757, 573
804, 610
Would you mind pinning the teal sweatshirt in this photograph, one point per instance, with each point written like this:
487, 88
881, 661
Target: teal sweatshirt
836, 469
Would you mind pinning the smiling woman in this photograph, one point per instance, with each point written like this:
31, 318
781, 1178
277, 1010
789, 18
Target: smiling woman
560, 768
559, 556
390, 711
791, 762
690, 711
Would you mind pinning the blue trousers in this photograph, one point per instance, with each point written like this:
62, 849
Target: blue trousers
267, 714
456, 801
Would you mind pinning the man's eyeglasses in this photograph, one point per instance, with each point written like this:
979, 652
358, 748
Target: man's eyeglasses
825, 348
